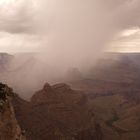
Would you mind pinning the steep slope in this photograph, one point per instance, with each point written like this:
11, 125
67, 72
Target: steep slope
9, 128
57, 112
113, 93
5, 60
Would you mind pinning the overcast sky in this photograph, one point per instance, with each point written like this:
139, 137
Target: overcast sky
69, 25
66, 33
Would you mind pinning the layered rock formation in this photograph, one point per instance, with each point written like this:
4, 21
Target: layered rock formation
113, 95
57, 112
9, 128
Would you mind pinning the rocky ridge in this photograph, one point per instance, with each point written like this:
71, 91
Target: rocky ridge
9, 127
57, 112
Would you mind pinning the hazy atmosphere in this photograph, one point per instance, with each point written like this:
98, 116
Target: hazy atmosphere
49, 37
69, 69
65, 27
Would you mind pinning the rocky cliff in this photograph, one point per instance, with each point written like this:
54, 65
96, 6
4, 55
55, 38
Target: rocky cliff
57, 112
9, 128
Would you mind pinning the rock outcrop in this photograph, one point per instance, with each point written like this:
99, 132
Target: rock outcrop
9, 128
56, 112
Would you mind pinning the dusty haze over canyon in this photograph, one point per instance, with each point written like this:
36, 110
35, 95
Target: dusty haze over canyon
69, 69
54, 36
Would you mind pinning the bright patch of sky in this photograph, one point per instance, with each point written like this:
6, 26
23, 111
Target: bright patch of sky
126, 41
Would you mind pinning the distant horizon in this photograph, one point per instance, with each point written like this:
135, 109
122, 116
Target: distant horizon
105, 52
